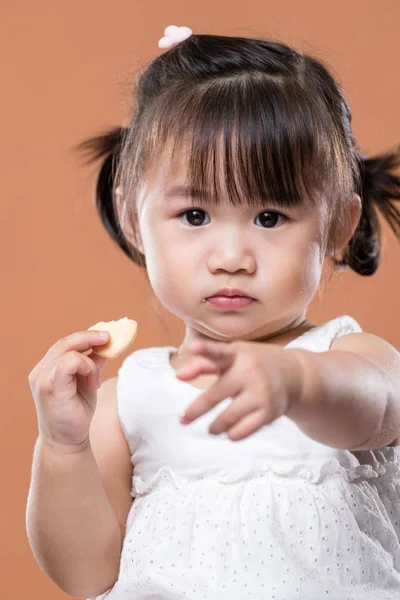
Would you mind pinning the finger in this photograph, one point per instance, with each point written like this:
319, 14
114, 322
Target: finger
99, 361
196, 367
88, 379
239, 408
79, 341
248, 425
223, 388
67, 367
222, 353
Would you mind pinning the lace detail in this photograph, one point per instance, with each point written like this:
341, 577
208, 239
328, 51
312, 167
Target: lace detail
388, 466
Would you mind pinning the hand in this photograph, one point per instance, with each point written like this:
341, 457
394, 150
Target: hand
262, 379
64, 387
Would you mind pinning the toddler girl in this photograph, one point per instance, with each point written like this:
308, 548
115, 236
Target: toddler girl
237, 176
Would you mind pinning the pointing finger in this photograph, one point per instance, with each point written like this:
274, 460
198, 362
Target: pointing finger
222, 353
222, 389
197, 366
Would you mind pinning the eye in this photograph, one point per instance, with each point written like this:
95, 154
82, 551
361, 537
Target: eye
195, 217
269, 219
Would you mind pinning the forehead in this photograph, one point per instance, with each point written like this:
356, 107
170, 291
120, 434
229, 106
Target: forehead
171, 177
169, 166
170, 174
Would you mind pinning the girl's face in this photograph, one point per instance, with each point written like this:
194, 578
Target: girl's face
274, 257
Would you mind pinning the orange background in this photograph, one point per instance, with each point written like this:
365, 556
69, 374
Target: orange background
66, 68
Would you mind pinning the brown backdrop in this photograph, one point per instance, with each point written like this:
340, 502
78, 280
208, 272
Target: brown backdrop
64, 70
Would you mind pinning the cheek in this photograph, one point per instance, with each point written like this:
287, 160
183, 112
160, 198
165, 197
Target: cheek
309, 270
301, 272
160, 268
165, 268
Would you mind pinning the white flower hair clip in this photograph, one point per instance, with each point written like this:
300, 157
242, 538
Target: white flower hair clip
174, 35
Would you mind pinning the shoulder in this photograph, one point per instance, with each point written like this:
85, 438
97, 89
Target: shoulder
376, 350
372, 347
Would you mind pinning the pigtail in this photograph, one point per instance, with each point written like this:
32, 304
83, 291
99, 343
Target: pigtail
379, 188
107, 147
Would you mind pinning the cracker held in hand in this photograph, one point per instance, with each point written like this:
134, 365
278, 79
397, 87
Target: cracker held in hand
122, 334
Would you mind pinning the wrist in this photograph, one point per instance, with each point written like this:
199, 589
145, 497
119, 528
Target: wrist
302, 379
62, 448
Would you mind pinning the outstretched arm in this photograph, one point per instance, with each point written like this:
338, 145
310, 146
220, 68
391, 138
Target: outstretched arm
351, 393
347, 397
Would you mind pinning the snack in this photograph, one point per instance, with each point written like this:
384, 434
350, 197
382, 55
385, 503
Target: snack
122, 334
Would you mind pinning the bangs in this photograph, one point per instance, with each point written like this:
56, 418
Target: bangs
251, 139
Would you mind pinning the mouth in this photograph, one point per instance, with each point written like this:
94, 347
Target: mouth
230, 299
231, 292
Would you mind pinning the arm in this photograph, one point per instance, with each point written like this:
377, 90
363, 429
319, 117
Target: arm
350, 394
78, 503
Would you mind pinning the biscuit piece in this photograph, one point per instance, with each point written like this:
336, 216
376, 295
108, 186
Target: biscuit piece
122, 334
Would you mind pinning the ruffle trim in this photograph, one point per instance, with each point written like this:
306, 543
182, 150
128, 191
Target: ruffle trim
165, 476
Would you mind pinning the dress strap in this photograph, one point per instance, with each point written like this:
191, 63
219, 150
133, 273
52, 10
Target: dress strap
320, 338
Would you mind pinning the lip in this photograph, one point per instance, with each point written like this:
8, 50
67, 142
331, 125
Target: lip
230, 302
230, 299
231, 292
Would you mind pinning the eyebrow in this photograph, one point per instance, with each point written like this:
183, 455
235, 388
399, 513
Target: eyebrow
202, 197
182, 191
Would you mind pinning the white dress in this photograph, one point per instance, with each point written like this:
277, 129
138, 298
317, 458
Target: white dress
275, 516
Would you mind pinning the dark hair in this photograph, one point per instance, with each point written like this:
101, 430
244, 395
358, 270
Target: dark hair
285, 128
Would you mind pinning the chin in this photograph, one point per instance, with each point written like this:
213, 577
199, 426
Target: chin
231, 332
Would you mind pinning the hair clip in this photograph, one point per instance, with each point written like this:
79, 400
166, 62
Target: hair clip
174, 35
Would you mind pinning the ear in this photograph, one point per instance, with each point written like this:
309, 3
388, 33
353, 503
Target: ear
132, 233
347, 232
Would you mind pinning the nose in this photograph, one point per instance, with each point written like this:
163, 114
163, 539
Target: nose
231, 254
